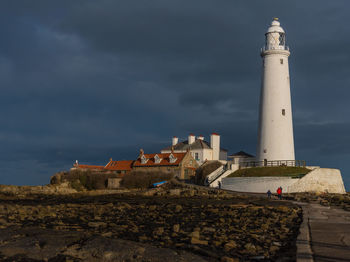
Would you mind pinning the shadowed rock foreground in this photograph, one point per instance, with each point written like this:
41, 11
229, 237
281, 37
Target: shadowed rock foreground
173, 223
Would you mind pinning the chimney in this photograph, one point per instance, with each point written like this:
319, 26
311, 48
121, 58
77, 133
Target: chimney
175, 141
201, 137
191, 139
215, 145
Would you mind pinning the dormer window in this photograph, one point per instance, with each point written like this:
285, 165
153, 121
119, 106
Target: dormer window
157, 159
143, 159
172, 158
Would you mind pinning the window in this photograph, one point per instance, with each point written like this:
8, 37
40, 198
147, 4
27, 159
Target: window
196, 156
143, 159
157, 159
172, 159
265, 150
281, 39
281, 61
283, 112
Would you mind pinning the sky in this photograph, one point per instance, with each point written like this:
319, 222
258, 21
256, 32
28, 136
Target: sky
89, 80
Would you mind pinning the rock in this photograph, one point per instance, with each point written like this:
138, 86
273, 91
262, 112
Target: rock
273, 249
196, 241
229, 259
159, 231
175, 192
250, 248
230, 245
195, 234
178, 208
278, 244
176, 228
97, 224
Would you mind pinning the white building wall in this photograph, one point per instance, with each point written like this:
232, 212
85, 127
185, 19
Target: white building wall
223, 155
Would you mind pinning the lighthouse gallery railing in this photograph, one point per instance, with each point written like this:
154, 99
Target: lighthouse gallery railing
295, 163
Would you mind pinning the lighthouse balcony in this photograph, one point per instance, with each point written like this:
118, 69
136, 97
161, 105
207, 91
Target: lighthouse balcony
273, 163
268, 48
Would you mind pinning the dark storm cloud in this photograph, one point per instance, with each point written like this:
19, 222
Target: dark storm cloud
91, 80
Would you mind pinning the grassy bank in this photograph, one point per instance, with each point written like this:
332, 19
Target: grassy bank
280, 171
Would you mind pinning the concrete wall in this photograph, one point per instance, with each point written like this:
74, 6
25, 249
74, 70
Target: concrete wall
319, 180
256, 184
113, 183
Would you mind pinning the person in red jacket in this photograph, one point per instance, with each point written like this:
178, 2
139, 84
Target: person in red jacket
279, 192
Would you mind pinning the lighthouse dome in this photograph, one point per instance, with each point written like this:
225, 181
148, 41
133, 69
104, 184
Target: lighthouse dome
275, 27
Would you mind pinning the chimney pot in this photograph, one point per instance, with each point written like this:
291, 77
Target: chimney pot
191, 139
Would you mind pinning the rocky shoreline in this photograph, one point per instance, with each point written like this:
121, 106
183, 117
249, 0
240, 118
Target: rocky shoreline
176, 222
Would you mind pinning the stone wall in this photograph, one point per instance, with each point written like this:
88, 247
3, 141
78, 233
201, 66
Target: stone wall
318, 180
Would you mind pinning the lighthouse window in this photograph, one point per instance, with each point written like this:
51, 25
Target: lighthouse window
281, 61
281, 39
283, 112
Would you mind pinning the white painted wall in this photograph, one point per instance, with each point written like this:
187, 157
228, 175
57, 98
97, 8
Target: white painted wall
207, 154
256, 184
223, 155
319, 180
215, 145
275, 133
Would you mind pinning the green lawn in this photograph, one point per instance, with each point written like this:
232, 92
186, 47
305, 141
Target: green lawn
284, 171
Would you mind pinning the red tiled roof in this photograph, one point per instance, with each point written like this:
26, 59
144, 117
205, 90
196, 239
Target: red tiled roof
119, 165
165, 161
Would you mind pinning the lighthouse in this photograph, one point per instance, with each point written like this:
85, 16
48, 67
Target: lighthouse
275, 133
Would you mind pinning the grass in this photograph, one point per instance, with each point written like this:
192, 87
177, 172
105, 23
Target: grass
278, 171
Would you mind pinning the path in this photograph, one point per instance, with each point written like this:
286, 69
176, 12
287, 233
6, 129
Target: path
324, 234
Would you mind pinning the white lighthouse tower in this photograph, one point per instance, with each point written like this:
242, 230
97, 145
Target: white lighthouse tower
275, 134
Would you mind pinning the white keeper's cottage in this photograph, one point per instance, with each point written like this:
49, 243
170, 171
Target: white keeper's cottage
200, 149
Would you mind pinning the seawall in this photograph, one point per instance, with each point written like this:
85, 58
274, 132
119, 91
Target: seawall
318, 180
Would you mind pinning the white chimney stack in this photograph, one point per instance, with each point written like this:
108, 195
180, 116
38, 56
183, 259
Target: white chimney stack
215, 145
175, 140
191, 139
201, 137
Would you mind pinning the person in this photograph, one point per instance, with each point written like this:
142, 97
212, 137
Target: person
279, 193
269, 194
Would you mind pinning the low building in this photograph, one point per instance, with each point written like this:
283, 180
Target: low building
200, 149
77, 166
121, 167
183, 165
241, 157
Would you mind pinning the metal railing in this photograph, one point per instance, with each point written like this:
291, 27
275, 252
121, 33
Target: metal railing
280, 47
295, 163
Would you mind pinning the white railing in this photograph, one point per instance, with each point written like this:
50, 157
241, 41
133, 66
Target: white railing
214, 175
280, 47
